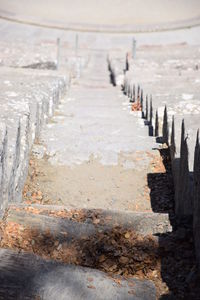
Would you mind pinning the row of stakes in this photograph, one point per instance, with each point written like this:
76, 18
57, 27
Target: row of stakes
136, 96
183, 182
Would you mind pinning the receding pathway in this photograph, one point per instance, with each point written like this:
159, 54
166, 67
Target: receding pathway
95, 153
98, 151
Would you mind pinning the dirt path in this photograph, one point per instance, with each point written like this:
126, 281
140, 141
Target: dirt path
97, 153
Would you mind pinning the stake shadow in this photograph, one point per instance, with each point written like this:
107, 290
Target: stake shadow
176, 248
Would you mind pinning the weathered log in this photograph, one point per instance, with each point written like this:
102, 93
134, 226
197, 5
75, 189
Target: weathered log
56, 226
141, 222
27, 276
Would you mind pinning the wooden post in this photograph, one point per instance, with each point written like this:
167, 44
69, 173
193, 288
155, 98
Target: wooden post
151, 112
172, 142
134, 48
127, 63
150, 118
58, 53
76, 45
134, 93
196, 194
147, 109
183, 195
156, 124
165, 129
141, 103
138, 93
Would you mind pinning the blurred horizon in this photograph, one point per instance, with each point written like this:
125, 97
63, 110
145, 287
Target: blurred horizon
104, 12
